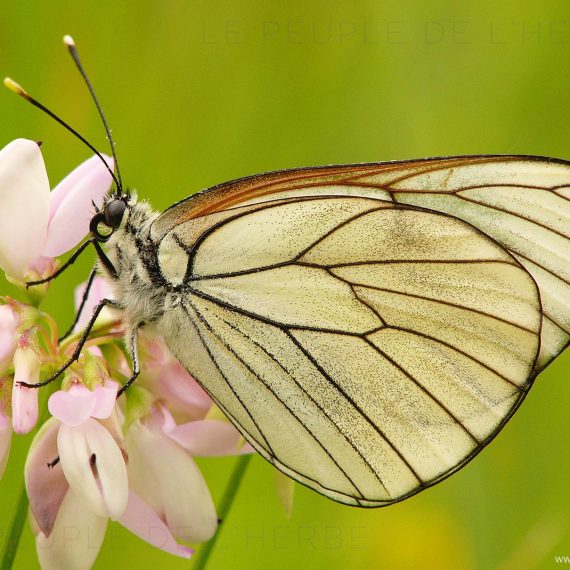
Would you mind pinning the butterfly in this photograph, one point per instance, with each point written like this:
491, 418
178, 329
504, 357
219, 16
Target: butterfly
368, 328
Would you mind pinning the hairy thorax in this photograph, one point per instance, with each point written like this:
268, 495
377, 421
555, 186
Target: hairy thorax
137, 286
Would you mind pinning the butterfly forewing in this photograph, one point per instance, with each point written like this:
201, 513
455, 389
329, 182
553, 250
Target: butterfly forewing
522, 202
366, 348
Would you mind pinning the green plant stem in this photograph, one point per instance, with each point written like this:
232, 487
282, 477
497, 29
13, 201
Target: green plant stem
16, 528
201, 559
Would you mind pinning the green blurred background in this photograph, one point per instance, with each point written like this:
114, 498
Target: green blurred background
198, 93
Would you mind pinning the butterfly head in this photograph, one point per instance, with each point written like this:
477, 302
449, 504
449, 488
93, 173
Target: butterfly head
110, 218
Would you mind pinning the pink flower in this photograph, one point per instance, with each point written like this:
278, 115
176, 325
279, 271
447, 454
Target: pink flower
25, 400
91, 460
143, 521
8, 334
76, 477
45, 484
76, 537
170, 381
38, 225
5, 441
100, 289
176, 502
199, 429
165, 477
68, 534
208, 437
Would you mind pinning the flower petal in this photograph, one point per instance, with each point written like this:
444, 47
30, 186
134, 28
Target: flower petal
24, 408
105, 399
24, 206
179, 489
46, 486
25, 400
208, 438
183, 393
143, 521
8, 334
104, 488
71, 207
5, 442
76, 538
100, 289
73, 406
66, 186
160, 419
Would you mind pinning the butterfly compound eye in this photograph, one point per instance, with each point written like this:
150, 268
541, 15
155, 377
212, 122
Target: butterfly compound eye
114, 213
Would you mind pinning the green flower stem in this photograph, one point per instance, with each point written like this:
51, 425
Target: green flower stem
13, 540
201, 559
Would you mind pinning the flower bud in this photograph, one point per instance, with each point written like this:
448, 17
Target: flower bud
25, 400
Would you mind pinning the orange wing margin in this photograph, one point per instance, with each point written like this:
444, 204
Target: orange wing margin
234, 192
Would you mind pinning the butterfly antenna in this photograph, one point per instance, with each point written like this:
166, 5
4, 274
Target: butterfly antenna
19, 90
71, 47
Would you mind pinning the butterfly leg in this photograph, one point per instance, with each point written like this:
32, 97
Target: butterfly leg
100, 253
132, 342
67, 264
81, 305
77, 352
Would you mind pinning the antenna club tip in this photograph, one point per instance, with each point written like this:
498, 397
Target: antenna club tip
15, 87
68, 41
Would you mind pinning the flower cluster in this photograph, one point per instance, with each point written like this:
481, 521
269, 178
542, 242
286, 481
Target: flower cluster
93, 457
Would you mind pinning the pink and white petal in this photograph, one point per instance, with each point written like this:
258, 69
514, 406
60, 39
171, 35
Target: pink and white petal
25, 400
188, 507
181, 489
24, 408
71, 205
111, 470
161, 420
43, 265
105, 399
143, 480
144, 522
113, 424
100, 290
76, 538
8, 334
157, 355
183, 393
8, 317
75, 460
24, 206
106, 493
46, 486
75, 177
5, 442
208, 438
72, 407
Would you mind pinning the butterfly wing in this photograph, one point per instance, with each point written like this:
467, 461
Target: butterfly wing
366, 348
522, 202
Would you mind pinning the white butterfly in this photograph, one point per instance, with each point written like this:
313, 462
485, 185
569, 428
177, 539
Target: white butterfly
368, 328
